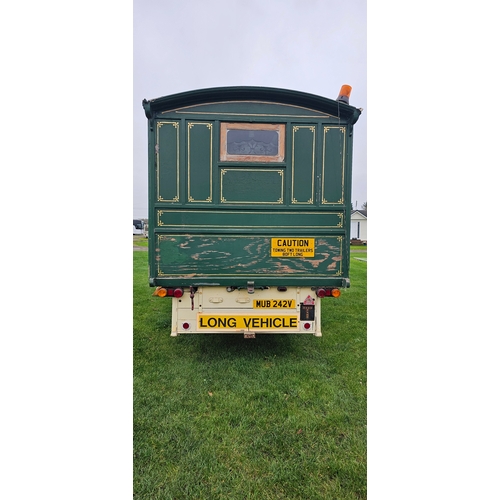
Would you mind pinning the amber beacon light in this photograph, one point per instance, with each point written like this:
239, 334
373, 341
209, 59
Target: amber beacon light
344, 94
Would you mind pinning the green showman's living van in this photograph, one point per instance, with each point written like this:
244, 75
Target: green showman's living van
249, 207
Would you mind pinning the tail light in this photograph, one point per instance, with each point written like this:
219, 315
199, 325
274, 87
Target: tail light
328, 292
168, 292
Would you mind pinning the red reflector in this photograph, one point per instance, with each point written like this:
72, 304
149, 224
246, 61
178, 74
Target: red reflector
174, 292
185, 326
307, 326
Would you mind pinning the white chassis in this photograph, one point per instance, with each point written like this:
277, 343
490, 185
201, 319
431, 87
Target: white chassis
217, 310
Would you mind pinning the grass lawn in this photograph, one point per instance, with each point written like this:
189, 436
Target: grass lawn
275, 417
140, 241
358, 251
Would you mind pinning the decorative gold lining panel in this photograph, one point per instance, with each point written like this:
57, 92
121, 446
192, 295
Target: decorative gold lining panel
223, 216
278, 201
157, 153
341, 150
209, 198
296, 128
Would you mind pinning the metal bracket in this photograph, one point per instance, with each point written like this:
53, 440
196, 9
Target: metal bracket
191, 295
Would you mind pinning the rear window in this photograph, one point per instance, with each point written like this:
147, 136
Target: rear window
252, 142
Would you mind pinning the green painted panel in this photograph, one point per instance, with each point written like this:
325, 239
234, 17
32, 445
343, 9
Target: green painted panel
210, 220
303, 147
167, 161
200, 185
246, 109
193, 256
333, 168
252, 186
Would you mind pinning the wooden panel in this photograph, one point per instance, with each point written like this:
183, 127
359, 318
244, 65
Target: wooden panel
252, 186
303, 146
190, 256
190, 220
199, 162
167, 161
332, 189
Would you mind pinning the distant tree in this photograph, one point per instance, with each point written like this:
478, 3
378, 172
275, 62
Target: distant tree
363, 207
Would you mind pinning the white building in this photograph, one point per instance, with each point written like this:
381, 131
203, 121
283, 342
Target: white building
358, 225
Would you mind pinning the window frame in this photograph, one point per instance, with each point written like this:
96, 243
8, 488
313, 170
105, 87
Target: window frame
226, 157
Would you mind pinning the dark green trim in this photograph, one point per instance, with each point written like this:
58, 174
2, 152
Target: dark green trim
268, 94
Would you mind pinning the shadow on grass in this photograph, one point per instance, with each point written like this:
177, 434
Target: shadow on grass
218, 347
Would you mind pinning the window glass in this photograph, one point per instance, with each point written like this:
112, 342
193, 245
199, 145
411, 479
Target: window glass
252, 142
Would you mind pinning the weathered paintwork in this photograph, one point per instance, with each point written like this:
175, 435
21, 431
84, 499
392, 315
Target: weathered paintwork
212, 218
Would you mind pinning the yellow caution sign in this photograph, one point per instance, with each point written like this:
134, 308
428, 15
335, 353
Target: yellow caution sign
292, 247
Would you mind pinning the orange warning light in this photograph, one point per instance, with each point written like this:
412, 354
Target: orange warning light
344, 94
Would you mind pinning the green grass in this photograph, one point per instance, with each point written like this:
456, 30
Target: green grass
276, 417
359, 251
140, 241
358, 255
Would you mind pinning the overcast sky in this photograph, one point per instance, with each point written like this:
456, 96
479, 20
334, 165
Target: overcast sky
314, 46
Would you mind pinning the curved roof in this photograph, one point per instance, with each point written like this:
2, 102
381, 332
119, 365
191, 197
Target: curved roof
270, 94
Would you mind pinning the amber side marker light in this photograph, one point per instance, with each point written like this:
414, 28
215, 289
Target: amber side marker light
336, 293
160, 292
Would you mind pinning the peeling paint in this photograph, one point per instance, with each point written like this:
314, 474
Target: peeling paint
243, 255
